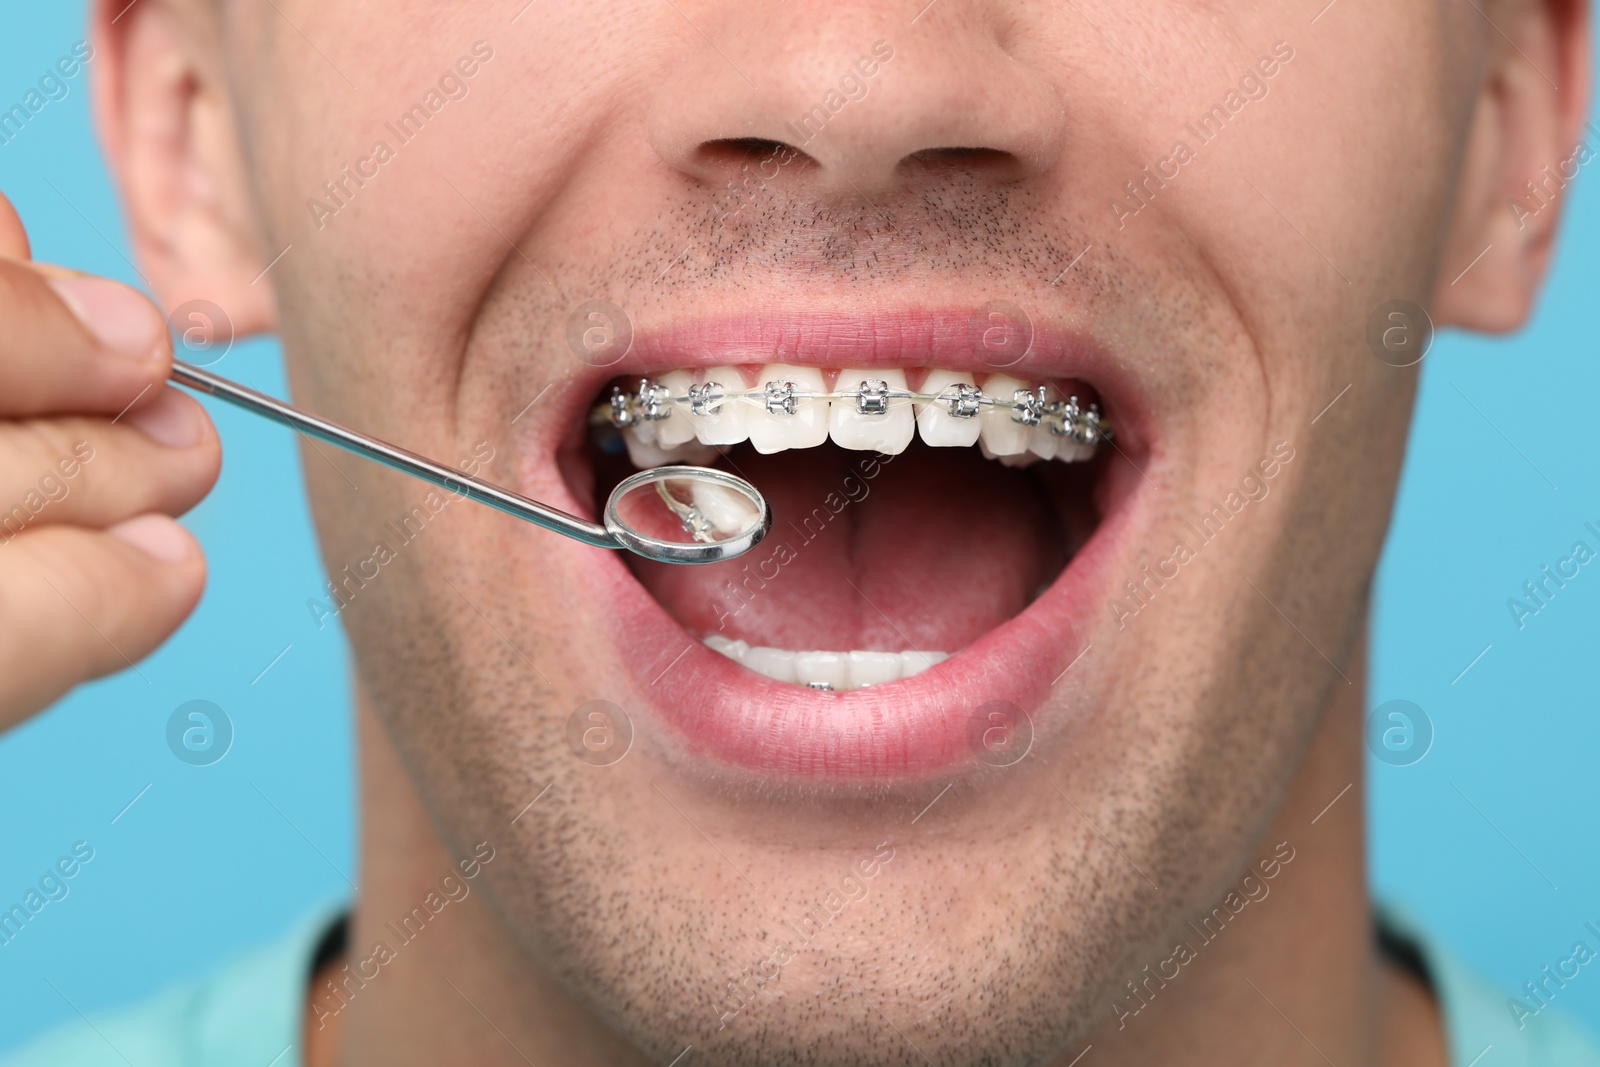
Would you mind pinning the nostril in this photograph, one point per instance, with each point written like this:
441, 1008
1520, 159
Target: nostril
742, 147
734, 153
990, 161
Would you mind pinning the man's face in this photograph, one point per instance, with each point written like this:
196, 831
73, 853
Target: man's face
1190, 210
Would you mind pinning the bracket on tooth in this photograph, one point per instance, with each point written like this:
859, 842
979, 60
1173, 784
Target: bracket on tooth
963, 400
781, 398
1089, 431
653, 401
872, 397
706, 398
1028, 406
1063, 418
621, 412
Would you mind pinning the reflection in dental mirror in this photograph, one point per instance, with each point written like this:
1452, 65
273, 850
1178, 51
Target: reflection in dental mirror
687, 514
709, 511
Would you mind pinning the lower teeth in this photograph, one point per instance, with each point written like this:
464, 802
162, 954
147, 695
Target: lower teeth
836, 671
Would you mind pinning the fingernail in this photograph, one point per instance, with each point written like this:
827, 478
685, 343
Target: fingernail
119, 318
171, 419
157, 536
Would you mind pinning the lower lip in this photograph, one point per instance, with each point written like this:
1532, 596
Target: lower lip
910, 728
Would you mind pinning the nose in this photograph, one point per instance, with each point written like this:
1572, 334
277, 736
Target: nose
853, 99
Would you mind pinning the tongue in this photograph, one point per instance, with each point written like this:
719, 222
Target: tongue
924, 551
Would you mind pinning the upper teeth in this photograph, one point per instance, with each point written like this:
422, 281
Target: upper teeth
673, 418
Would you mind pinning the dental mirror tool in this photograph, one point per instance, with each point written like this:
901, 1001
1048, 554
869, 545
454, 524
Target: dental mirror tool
669, 514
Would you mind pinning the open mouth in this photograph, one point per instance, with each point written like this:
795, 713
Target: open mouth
954, 485
924, 516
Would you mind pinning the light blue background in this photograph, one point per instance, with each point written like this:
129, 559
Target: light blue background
1491, 838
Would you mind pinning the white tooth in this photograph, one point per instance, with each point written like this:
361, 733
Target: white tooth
1019, 459
888, 433
1000, 435
829, 667
642, 449
840, 671
694, 453
873, 668
914, 663
676, 428
934, 421
727, 425
1044, 442
734, 650
728, 511
646, 450
775, 663
1073, 452
643, 431
806, 428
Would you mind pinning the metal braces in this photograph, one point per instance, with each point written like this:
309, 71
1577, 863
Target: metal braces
1029, 407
